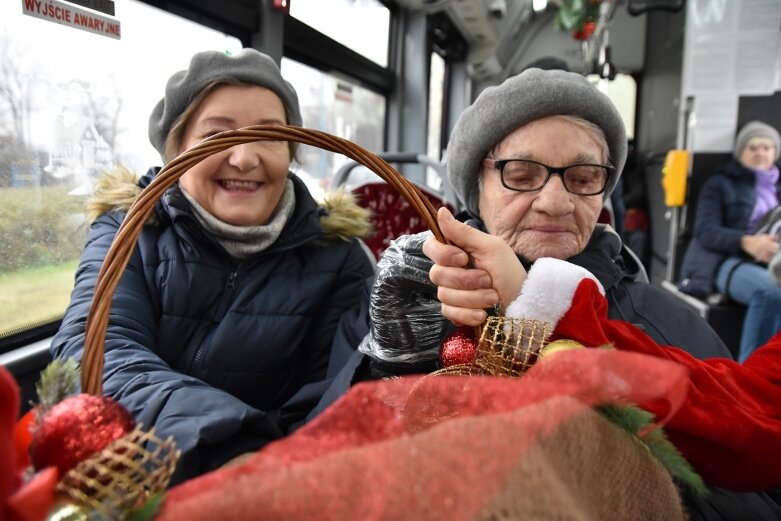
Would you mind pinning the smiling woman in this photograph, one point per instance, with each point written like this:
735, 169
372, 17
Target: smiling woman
247, 190
221, 328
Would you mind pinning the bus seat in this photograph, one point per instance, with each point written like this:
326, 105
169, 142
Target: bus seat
392, 215
606, 216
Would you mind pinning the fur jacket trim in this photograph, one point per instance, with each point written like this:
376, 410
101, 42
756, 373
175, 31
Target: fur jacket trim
341, 216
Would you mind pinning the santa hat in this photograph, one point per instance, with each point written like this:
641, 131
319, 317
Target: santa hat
567, 297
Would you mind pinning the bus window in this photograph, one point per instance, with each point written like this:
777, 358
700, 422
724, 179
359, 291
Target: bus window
366, 31
435, 106
622, 91
338, 106
72, 105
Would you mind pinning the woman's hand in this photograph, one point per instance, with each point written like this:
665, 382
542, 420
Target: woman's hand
761, 246
475, 272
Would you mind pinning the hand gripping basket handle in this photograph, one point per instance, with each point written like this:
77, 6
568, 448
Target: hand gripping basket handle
124, 242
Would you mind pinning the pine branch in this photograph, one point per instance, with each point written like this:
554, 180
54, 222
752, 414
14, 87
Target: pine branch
58, 381
632, 419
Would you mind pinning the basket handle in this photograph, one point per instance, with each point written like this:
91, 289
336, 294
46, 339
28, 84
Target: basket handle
124, 242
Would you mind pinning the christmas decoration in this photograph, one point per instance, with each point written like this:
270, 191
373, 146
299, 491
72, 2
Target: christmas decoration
67, 428
64, 511
58, 381
458, 348
125, 480
21, 439
558, 346
507, 347
108, 466
77, 428
639, 424
459, 448
20, 498
584, 32
579, 17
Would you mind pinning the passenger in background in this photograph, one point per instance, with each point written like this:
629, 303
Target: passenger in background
221, 327
731, 246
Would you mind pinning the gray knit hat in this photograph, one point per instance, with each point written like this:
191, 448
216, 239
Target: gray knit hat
248, 66
754, 129
530, 95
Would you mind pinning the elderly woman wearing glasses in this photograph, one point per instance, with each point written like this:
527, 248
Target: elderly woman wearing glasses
532, 161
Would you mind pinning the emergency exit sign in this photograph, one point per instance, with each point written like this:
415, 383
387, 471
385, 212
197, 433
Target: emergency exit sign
64, 13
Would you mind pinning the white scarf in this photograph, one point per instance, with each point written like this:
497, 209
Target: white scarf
242, 241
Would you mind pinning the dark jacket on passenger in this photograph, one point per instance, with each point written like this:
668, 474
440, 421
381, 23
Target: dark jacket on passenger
222, 354
665, 318
724, 209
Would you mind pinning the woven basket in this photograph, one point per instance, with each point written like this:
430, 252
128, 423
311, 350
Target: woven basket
125, 240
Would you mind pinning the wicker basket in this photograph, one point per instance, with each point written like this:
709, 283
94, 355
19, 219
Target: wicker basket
124, 242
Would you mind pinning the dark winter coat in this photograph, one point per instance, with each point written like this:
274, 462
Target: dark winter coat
663, 317
724, 209
223, 355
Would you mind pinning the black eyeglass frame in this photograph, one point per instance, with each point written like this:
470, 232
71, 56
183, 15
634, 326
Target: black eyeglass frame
499, 164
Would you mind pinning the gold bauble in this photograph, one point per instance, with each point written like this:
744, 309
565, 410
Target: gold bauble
65, 511
558, 346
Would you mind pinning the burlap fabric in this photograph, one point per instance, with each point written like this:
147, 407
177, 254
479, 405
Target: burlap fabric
586, 471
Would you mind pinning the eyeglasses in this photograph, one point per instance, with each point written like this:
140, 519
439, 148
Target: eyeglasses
523, 175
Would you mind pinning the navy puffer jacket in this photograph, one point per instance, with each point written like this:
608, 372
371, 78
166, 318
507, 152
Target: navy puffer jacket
223, 355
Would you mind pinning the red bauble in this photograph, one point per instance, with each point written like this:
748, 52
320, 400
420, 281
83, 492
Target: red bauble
459, 347
75, 429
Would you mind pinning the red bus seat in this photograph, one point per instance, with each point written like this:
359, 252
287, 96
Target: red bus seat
392, 215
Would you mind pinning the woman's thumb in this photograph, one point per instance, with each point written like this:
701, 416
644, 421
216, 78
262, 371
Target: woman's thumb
469, 239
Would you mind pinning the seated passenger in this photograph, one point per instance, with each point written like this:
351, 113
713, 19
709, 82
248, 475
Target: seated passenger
532, 160
730, 249
221, 327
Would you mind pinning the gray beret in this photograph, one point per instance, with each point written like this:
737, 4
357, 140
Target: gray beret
248, 66
520, 99
754, 129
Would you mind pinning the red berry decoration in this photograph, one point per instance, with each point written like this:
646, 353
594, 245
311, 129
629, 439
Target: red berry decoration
459, 347
75, 429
